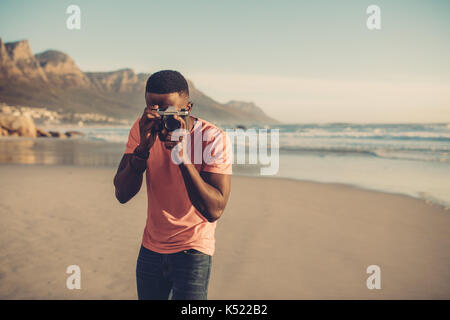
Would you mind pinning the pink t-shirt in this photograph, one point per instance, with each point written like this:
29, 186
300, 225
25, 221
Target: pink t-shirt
173, 223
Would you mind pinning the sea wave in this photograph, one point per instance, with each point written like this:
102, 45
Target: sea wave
108, 137
405, 154
375, 134
117, 135
423, 142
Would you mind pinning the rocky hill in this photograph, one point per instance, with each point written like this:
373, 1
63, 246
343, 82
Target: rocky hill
52, 80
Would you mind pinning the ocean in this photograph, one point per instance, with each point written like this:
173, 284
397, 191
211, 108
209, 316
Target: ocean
411, 159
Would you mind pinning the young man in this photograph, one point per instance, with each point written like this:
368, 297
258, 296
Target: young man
185, 196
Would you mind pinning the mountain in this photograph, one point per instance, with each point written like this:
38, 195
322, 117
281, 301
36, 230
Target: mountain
61, 70
124, 80
244, 106
18, 63
52, 80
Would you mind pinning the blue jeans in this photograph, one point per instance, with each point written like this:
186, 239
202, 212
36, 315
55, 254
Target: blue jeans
182, 275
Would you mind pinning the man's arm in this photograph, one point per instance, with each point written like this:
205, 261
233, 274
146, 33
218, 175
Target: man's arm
128, 179
208, 192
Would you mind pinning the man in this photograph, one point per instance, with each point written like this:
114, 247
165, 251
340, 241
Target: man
186, 196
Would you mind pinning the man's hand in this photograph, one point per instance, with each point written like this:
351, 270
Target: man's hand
149, 125
170, 139
178, 141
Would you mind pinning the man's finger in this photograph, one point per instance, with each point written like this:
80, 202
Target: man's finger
170, 144
151, 112
163, 134
179, 138
152, 115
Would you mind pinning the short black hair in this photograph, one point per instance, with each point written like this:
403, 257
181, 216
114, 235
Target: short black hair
167, 81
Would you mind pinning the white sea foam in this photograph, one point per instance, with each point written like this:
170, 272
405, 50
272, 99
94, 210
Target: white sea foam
421, 142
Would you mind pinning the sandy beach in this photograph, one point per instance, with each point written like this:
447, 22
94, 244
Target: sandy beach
278, 239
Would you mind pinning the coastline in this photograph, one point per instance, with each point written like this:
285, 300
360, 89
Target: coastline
431, 202
82, 151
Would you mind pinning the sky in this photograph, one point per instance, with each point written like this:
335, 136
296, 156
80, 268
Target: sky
300, 61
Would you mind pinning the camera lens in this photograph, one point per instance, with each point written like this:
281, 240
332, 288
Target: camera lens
171, 123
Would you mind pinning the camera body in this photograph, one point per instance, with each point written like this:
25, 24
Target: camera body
167, 119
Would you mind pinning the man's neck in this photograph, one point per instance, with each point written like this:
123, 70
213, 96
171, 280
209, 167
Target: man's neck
191, 123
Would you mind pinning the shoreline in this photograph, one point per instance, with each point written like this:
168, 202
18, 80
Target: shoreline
429, 201
432, 202
91, 152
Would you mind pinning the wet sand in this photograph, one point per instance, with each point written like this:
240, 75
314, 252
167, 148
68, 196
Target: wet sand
278, 239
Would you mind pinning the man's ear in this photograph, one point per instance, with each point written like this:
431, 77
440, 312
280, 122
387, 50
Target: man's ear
190, 105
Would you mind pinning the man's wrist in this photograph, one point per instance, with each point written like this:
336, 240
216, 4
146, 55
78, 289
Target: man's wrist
141, 152
138, 165
138, 161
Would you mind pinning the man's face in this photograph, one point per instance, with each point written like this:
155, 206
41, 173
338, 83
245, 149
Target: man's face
163, 101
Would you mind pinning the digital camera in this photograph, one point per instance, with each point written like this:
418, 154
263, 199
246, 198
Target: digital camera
167, 119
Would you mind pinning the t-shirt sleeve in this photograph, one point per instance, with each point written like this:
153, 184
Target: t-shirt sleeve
133, 138
217, 154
